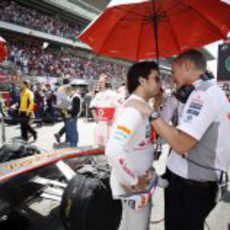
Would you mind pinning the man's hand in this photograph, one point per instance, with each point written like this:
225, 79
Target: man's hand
143, 182
93, 111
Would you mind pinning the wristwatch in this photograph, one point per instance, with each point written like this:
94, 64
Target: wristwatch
154, 115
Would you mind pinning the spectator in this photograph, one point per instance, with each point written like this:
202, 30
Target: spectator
32, 60
39, 103
13, 12
51, 102
71, 119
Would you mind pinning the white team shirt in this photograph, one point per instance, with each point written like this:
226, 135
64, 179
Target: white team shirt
107, 98
205, 117
129, 149
63, 101
104, 100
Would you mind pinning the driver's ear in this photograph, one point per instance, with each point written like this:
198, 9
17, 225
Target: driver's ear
141, 80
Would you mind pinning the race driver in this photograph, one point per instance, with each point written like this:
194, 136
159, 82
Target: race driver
130, 149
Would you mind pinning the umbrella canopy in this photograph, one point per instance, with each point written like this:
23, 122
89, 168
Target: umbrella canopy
3, 49
144, 29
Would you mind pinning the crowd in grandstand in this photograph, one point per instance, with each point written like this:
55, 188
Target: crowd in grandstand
11, 11
33, 60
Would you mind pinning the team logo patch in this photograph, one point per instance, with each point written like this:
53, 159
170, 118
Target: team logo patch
188, 118
120, 135
197, 100
194, 108
193, 112
196, 105
124, 129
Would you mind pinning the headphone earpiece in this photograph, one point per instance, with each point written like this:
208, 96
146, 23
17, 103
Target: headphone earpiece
207, 76
183, 93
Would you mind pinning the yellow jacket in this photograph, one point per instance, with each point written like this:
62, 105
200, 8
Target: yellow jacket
26, 101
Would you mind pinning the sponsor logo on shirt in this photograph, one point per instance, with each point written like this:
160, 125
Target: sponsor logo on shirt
120, 135
122, 132
193, 112
124, 129
188, 118
125, 168
144, 200
194, 108
143, 144
196, 105
198, 100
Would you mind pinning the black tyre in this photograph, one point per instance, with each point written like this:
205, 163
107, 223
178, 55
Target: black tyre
87, 204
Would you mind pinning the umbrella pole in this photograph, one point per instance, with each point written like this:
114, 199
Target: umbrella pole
2, 124
155, 30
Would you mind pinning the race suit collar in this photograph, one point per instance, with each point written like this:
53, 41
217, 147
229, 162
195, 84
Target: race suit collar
134, 96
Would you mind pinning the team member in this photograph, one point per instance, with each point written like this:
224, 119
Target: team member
129, 149
39, 102
62, 103
103, 107
73, 112
200, 143
26, 110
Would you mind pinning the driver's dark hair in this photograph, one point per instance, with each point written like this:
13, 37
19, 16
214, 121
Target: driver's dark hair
139, 69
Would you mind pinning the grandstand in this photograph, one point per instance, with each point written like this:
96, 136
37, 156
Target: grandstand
29, 24
26, 25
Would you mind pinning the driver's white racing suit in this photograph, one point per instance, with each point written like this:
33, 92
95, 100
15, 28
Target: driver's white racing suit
130, 153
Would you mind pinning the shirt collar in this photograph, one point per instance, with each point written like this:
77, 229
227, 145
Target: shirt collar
134, 96
198, 82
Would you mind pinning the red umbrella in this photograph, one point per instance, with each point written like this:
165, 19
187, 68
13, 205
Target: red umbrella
3, 49
143, 29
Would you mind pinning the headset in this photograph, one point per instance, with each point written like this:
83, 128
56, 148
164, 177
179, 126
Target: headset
183, 93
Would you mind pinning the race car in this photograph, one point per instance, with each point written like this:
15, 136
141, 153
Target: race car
69, 176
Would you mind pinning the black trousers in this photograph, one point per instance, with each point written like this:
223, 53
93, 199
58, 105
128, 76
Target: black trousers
188, 203
25, 127
61, 131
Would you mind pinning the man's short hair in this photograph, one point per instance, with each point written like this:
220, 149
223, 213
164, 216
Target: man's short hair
26, 83
196, 56
139, 69
65, 81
